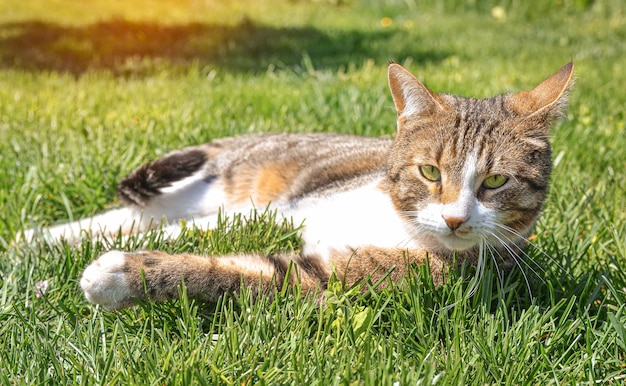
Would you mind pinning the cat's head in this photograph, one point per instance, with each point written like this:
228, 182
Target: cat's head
463, 171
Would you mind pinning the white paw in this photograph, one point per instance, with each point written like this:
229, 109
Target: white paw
104, 281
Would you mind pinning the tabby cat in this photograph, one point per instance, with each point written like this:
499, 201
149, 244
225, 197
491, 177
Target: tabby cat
463, 177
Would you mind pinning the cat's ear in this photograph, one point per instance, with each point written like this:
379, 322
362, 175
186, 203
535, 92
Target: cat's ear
409, 94
549, 97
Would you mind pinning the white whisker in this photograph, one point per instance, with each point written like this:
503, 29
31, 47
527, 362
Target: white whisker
480, 270
518, 261
478, 276
493, 252
516, 255
535, 246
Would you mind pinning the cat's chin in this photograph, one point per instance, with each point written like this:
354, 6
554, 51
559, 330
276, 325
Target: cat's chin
456, 243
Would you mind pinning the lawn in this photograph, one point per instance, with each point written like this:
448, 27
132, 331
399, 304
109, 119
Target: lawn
90, 90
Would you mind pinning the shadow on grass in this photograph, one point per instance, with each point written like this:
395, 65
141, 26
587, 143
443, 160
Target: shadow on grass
125, 47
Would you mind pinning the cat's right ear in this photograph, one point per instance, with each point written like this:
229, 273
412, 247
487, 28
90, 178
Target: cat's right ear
410, 96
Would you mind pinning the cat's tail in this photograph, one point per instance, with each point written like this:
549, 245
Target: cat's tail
175, 186
161, 176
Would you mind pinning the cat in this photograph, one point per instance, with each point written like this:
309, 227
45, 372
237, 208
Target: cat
463, 177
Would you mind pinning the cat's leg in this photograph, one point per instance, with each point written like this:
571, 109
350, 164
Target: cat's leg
109, 223
117, 278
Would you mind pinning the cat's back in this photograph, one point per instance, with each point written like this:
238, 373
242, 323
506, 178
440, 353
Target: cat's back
264, 168
291, 166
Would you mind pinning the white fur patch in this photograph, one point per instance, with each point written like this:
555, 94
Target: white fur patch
184, 183
462, 208
192, 198
361, 217
104, 282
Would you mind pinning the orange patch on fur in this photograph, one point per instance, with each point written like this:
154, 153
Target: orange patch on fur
239, 190
271, 182
261, 185
451, 194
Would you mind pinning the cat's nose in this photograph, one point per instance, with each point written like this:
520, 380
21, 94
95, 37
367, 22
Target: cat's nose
454, 222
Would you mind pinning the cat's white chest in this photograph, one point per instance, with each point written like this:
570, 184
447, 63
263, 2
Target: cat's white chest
361, 217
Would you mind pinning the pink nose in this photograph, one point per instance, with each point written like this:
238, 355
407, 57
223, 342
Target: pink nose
454, 222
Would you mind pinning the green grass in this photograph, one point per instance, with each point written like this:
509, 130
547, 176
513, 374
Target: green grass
89, 91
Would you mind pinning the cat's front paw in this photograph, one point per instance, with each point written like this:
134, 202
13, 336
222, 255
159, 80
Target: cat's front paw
104, 281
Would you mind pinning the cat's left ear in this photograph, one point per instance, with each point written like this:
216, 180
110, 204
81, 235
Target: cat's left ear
550, 97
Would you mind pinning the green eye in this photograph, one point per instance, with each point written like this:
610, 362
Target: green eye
430, 173
495, 181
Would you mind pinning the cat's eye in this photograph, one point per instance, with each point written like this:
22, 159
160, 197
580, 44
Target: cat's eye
495, 181
430, 173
